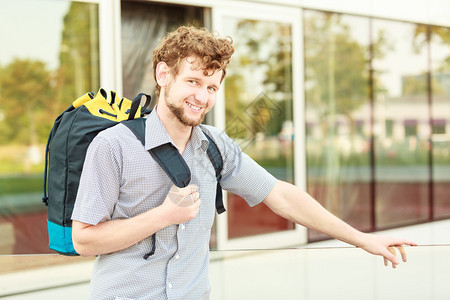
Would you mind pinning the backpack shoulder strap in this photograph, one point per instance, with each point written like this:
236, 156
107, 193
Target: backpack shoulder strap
216, 159
173, 163
137, 127
175, 167
167, 156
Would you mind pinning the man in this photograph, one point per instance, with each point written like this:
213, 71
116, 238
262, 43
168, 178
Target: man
125, 197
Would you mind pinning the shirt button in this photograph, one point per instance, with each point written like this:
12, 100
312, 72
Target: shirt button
182, 226
177, 256
169, 285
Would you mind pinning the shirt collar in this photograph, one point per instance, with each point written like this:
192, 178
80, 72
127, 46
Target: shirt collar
156, 134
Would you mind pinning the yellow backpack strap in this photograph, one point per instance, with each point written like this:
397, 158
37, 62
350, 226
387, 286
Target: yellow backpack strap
100, 107
131, 109
122, 109
83, 99
111, 108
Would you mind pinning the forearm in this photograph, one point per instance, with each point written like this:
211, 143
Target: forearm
296, 205
299, 207
116, 235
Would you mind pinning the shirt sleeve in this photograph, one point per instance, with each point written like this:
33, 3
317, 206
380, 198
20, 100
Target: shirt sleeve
100, 183
241, 175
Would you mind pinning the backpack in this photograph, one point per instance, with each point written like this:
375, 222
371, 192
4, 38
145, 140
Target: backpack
68, 141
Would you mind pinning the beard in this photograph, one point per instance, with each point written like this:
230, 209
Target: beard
178, 111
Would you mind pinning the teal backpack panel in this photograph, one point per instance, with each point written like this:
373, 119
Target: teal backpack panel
60, 238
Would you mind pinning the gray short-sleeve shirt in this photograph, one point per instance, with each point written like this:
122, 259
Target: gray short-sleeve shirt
120, 180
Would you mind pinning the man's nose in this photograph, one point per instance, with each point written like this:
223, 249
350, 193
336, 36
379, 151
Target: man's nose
202, 95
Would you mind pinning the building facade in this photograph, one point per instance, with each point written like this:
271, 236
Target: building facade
349, 100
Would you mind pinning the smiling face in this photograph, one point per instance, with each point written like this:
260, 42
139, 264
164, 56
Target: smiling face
189, 95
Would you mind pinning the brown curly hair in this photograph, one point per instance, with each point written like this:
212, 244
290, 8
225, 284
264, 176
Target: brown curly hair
215, 53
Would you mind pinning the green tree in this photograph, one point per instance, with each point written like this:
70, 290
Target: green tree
336, 68
262, 97
25, 96
79, 55
425, 34
33, 96
337, 74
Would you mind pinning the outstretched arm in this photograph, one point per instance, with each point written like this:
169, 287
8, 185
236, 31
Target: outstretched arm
299, 207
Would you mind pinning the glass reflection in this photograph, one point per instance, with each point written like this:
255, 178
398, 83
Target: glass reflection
394, 142
440, 122
258, 99
401, 125
143, 25
48, 59
338, 115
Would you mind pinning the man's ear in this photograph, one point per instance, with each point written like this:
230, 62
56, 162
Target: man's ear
162, 74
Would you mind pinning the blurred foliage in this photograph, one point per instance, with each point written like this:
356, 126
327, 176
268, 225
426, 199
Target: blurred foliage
32, 95
20, 184
336, 69
258, 83
25, 97
79, 55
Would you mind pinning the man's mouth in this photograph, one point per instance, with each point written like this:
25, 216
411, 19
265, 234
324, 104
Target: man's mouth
193, 106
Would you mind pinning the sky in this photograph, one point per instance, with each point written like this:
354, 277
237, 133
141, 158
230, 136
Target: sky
43, 37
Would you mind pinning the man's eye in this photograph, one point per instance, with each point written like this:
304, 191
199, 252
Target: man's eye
211, 89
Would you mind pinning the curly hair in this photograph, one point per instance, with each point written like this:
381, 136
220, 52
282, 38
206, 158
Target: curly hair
214, 52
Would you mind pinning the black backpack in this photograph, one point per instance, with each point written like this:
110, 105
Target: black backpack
68, 142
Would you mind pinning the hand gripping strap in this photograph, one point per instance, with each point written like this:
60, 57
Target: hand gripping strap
175, 167
167, 157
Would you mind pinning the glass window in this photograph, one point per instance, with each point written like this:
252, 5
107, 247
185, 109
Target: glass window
144, 24
49, 57
389, 128
394, 159
438, 126
410, 128
258, 100
400, 94
440, 107
337, 105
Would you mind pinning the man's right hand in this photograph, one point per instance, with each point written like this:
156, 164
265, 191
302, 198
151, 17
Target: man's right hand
182, 204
